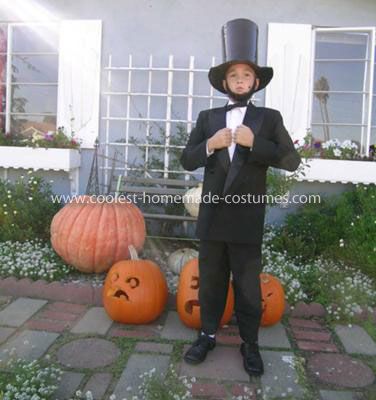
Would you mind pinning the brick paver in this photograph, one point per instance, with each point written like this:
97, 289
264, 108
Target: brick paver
340, 395
88, 353
312, 335
305, 323
95, 321
317, 346
174, 328
280, 377
5, 333
274, 336
221, 363
29, 345
356, 340
212, 390
138, 364
341, 370
98, 384
149, 347
33, 327
19, 311
68, 385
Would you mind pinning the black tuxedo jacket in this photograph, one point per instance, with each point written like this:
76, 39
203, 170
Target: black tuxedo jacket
231, 181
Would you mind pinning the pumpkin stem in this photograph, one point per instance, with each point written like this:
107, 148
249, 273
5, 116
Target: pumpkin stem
133, 252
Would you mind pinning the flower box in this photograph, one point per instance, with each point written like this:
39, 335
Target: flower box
68, 160
342, 171
39, 158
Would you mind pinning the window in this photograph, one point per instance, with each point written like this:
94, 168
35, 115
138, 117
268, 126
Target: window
28, 77
50, 76
324, 81
343, 85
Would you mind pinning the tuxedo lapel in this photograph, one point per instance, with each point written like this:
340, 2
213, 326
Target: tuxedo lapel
253, 119
217, 121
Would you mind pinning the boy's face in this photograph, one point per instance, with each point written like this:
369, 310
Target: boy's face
240, 79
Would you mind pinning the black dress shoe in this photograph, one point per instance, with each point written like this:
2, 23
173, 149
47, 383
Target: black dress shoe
252, 360
199, 349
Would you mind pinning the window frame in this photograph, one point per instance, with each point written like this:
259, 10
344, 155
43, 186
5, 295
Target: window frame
366, 125
8, 77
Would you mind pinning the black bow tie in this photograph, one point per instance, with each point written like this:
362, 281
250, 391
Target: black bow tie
240, 104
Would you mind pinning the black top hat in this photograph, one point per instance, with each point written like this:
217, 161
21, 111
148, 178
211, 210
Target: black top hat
239, 44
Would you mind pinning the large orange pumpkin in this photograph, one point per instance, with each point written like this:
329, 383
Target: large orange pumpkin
135, 291
93, 236
273, 300
188, 306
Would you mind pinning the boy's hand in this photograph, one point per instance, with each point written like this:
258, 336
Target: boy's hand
243, 135
220, 139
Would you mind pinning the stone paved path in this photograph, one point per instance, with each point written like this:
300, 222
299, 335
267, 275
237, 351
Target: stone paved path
301, 355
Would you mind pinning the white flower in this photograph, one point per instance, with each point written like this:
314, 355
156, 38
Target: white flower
337, 152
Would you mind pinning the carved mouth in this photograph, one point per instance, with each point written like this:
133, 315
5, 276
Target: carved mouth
121, 294
190, 304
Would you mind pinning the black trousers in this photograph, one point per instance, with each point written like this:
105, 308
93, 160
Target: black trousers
216, 260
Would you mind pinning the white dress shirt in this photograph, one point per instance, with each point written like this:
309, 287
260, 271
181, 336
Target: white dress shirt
234, 118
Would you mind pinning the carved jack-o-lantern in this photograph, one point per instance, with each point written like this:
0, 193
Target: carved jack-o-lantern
273, 300
187, 297
135, 291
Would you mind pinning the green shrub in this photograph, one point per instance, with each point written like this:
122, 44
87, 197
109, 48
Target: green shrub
26, 209
341, 227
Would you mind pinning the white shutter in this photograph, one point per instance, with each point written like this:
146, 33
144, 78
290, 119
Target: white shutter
290, 54
79, 78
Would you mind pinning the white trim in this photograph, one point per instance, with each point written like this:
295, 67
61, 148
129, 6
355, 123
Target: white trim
289, 54
337, 171
8, 99
79, 78
68, 160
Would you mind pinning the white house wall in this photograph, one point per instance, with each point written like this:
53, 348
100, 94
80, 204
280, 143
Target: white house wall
192, 27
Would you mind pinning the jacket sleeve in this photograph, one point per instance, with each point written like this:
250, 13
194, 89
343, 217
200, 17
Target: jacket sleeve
194, 155
278, 151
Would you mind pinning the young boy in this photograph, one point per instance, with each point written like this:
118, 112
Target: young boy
236, 144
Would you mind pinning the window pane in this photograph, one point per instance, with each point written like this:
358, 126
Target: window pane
341, 133
3, 38
37, 38
373, 136
341, 76
34, 99
36, 69
2, 121
27, 125
339, 108
341, 45
3, 69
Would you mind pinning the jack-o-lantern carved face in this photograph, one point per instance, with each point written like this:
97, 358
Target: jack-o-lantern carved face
191, 306
135, 291
187, 297
273, 300
122, 287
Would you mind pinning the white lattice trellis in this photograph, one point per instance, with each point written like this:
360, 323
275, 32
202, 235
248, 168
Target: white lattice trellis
154, 98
